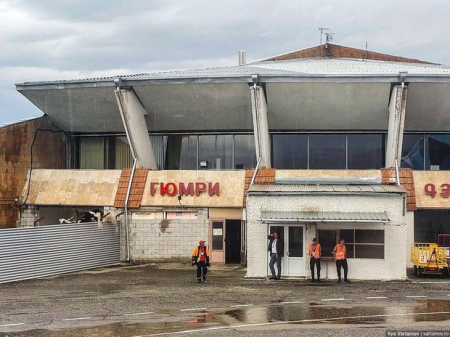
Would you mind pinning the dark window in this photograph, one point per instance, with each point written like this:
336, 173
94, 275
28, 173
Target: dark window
216, 151
244, 151
217, 237
429, 223
349, 236
327, 151
290, 151
365, 151
413, 151
327, 239
364, 243
159, 144
181, 152
437, 152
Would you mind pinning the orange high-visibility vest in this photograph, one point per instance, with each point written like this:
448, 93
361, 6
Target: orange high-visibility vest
316, 251
341, 252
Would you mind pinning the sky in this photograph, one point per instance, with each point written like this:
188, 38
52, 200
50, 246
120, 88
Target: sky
70, 39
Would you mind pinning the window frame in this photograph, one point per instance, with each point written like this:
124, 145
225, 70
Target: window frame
354, 243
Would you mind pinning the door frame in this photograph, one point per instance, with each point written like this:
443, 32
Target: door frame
220, 254
285, 263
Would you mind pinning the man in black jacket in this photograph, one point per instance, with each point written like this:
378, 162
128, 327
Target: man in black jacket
276, 249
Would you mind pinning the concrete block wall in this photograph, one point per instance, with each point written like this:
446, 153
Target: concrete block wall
163, 240
28, 216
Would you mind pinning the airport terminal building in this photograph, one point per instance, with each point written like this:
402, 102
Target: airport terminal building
324, 142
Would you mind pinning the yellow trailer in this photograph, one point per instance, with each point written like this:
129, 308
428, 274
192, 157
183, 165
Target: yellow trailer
428, 258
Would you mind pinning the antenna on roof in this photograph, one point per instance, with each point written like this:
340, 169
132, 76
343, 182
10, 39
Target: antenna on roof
366, 46
322, 29
329, 37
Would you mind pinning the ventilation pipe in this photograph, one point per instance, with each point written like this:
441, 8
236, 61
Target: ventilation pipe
242, 57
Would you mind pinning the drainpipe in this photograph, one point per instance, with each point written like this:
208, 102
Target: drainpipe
127, 230
118, 83
397, 175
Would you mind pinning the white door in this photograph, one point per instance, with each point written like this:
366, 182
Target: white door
295, 250
293, 261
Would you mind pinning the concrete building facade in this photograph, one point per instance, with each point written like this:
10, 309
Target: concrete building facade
210, 152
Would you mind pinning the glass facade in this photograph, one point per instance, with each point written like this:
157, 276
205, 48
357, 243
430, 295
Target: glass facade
365, 151
244, 151
181, 152
172, 152
413, 151
437, 152
215, 152
327, 151
289, 151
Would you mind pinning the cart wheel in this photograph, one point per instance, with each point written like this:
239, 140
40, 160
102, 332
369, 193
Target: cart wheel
415, 271
419, 272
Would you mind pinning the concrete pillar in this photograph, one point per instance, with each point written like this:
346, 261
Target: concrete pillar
260, 125
397, 111
132, 112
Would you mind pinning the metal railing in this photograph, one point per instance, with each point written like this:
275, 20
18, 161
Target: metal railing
33, 252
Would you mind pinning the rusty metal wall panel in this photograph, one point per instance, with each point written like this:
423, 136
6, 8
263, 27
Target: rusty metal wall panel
27, 253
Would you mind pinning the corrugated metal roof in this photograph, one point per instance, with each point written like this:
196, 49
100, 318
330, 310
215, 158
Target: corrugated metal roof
325, 216
311, 67
325, 189
341, 66
230, 71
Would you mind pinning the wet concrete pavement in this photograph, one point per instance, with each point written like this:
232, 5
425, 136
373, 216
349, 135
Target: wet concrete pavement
151, 300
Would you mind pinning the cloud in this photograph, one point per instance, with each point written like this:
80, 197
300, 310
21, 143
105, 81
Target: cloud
45, 40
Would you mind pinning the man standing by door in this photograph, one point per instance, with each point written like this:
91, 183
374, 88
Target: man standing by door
340, 255
200, 257
276, 249
315, 252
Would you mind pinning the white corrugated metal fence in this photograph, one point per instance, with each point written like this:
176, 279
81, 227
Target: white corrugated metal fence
32, 252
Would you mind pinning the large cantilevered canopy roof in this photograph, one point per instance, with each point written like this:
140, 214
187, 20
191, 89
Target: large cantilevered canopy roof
322, 92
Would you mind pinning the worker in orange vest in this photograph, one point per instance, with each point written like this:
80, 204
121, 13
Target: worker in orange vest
315, 252
340, 255
200, 257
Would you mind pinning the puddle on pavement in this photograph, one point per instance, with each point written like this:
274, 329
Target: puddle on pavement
313, 313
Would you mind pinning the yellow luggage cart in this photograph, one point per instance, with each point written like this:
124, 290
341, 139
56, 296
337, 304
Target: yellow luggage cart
428, 258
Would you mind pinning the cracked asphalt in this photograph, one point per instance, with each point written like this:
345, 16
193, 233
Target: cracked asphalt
165, 299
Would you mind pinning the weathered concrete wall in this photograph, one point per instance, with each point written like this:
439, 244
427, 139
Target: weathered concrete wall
391, 267
49, 151
168, 239
73, 187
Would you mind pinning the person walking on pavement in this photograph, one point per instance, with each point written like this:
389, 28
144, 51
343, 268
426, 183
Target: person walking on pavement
276, 249
315, 252
340, 255
200, 257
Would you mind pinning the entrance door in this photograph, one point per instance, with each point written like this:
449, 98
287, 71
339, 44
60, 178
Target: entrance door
280, 230
233, 241
295, 251
217, 243
293, 262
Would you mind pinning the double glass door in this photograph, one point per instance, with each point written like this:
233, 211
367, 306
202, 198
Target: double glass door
293, 261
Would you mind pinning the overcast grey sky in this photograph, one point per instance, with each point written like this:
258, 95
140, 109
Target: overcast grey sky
57, 39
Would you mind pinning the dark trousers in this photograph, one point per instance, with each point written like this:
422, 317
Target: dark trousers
343, 264
201, 267
273, 260
314, 262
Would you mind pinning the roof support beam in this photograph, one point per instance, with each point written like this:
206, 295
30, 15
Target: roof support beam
132, 112
397, 111
260, 125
